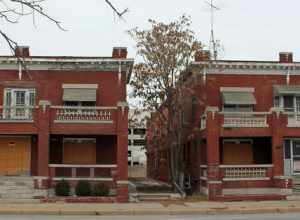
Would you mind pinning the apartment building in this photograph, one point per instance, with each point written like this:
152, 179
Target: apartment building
65, 118
242, 141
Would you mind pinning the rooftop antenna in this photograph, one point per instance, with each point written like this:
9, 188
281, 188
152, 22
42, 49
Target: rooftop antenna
213, 44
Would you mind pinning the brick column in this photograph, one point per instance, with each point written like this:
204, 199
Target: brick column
214, 184
278, 124
277, 142
122, 152
43, 144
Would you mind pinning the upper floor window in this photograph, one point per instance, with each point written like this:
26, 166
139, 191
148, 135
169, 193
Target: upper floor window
18, 103
140, 131
80, 94
238, 99
237, 108
289, 103
287, 97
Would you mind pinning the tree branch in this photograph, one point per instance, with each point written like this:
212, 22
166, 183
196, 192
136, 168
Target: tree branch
119, 13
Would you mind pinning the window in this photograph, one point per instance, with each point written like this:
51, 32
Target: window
129, 142
238, 108
80, 103
17, 103
140, 131
129, 153
138, 142
276, 101
288, 103
129, 130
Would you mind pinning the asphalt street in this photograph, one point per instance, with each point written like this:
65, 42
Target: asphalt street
288, 216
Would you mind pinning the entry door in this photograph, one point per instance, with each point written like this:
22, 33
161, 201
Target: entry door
288, 161
292, 157
296, 157
15, 155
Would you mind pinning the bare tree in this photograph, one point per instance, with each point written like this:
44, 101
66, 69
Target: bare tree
166, 51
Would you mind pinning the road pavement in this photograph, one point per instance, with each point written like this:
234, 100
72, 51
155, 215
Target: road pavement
286, 216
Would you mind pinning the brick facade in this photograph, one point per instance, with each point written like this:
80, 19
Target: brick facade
265, 127
106, 123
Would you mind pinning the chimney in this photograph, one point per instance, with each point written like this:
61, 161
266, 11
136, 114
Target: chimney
202, 55
286, 57
119, 52
22, 51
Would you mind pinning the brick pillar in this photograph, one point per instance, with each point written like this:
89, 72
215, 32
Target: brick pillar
214, 184
122, 152
43, 144
278, 126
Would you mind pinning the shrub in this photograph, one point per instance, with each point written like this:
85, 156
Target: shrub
100, 190
62, 188
83, 188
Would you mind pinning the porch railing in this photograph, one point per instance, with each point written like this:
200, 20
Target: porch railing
16, 113
245, 119
83, 172
68, 114
246, 172
293, 119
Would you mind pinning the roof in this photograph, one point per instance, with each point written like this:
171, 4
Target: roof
77, 63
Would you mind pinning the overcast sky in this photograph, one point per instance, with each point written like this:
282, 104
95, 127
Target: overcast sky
247, 29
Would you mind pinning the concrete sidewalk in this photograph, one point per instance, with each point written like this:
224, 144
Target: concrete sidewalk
167, 208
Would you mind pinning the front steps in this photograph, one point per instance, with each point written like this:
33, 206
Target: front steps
296, 184
154, 197
19, 190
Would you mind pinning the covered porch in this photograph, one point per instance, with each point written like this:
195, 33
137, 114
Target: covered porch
91, 158
244, 169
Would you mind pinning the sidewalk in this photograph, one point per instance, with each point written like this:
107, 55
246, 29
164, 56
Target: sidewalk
170, 208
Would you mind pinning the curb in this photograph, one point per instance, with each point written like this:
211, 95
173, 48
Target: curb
136, 212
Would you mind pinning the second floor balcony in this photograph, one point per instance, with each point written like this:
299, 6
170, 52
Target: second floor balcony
67, 114
60, 119
245, 119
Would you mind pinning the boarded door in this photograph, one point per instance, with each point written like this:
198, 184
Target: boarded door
15, 155
79, 153
234, 154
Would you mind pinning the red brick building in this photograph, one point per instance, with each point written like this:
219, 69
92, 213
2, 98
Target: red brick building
65, 118
242, 138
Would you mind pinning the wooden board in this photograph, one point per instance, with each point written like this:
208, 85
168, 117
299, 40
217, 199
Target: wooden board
79, 153
15, 155
234, 154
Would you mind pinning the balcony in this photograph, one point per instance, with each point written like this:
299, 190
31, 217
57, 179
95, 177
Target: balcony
17, 114
293, 119
66, 114
245, 119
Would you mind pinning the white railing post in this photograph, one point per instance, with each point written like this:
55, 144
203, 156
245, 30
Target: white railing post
92, 172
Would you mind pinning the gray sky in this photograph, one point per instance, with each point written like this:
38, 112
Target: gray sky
248, 29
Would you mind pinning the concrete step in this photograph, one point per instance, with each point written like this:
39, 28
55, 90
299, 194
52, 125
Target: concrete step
155, 196
19, 201
19, 188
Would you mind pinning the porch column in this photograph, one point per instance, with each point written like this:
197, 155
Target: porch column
214, 184
43, 144
122, 152
278, 125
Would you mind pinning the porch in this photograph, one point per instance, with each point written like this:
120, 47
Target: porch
90, 158
241, 167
